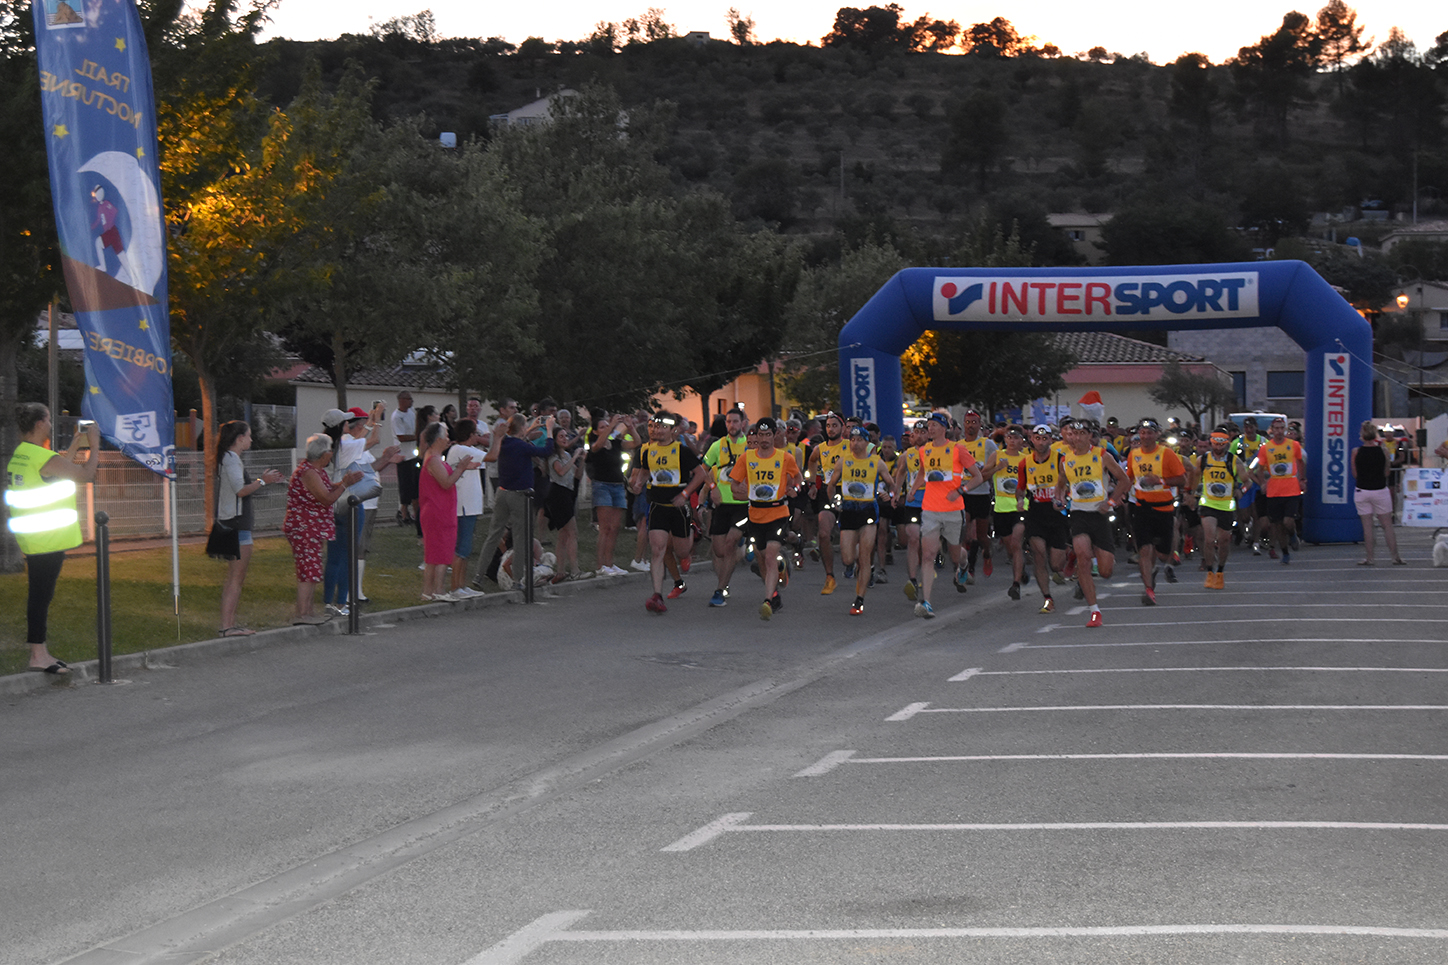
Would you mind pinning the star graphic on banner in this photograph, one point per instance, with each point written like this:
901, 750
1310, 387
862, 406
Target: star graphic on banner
60, 130
145, 325
140, 152
95, 390
120, 43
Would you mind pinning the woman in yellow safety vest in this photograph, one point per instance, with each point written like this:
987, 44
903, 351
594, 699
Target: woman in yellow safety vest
40, 499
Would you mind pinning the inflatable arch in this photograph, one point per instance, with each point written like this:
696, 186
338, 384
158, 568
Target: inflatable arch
1289, 294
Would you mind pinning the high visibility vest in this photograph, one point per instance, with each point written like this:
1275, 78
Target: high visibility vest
1007, 481
43, 516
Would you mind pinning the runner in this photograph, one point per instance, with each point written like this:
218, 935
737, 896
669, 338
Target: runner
1153, 470
1010, 504
884, 539
1047, 528
946, 470
978, 498
860, 473
670, 473
726, 522
1280, 471
767, 478
907, 510
823, 460
1217, 475
1084, 469
1249, 502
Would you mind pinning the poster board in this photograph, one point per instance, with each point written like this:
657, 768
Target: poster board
1425, 497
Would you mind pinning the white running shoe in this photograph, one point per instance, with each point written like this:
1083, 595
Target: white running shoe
641, 565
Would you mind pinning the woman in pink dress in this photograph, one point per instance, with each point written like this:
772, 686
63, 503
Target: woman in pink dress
439, 510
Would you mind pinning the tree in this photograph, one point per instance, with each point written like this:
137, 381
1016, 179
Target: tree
827, 298
419, 28
1171, 232
1273, 73
1341, 37
998, 38
1198, 393
1193, 92
929, 36
873, 30
977, 136
741, 27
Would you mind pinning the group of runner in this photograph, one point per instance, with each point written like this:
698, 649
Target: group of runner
1064, 496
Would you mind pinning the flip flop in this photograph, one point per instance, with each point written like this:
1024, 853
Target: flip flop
238, 632
1400, 562
59, 668
1365, 563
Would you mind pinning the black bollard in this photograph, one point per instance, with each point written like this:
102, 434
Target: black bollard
103, 598
354, 587
527, 549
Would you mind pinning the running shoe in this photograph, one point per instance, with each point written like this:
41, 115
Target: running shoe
1014, 592
718, 599
912, 590
1286, 557
857, 607
829, 586
1171, 576
680, 588
880, 576
641, 565
814, 553
1057, 578
970, 576
765, 610
655, 604
871, 581
1257, 548
1095, 620
1049, 606
1148, 597
850, 571
1272, 552
1211, 583
924, 609
1078, 593
783, 572
1292, 542
685, 563
987, 566
776, 602
960, 583
1221, 580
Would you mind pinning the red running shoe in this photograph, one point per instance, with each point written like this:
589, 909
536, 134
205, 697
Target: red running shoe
988, 566
1095, 620
678, 590
655, 604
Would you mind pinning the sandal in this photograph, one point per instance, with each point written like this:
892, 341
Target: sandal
1399, 561
1365, 563
238, 632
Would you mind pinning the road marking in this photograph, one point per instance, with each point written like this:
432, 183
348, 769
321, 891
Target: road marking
710, 831
553, 928
1172, 602
1049, 627
908, 711
1013, 647
1354, 591
826, 764
1026, 673
732, 824
1206, 643
1192, 623
528, 939
965, 674
830, 762
926, 709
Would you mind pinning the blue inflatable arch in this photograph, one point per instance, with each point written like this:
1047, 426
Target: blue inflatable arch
1289, 294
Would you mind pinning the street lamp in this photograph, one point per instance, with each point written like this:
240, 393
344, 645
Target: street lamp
1416, 314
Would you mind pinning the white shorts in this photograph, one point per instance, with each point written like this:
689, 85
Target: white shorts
1373, 502
946, 525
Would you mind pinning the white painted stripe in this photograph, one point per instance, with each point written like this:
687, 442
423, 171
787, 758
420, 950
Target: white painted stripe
826, 764
1049, 627
709, 832
1210, 643
1287, 619
1352, 591
905, 713
1027, 673
1234, 583
1083, 931
1013, 647
1172, 601
1224, 755
965, 675
1109, 826
1002, 710
528, 939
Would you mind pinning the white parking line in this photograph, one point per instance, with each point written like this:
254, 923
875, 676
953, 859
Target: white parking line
733, 824
1192, 623
980, 672
1015, 647
836, 759
914, 709
553, 928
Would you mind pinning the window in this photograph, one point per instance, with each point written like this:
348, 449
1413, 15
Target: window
1239, 387
1443, 321
1077, 234
1285, 385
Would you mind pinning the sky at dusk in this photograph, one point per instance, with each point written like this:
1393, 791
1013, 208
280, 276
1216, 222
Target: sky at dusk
1126, 26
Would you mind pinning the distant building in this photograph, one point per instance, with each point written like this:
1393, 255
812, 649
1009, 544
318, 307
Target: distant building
697, 37
1423, 231
536, 112
1266, 366
1084, 230
1123, 370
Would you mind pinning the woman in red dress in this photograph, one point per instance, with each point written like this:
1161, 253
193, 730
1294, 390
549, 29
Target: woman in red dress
439, 510
309, 524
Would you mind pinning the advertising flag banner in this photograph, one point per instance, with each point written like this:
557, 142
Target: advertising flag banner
100, 131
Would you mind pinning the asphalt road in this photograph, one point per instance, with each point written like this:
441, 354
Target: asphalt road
1252, 775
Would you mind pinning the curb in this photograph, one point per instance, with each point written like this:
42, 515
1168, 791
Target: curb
86, 672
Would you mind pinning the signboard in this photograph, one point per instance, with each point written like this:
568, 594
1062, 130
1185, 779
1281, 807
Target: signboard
1425, 497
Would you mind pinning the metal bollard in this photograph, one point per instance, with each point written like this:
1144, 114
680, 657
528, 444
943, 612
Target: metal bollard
527, 549
354, 587
103, 598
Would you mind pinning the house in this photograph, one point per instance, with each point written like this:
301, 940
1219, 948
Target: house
1266, 366
428, 385
697, 38
1423, 231
1123, 371
1427, 301
535, 112
1084, 230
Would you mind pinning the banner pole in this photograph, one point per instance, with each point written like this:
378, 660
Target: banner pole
175, 558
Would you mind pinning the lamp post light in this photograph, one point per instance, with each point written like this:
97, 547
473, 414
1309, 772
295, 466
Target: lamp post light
1416, 314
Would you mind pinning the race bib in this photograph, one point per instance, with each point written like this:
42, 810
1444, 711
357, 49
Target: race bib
1147, 488
1281, 469
764, 493
936, 475
1218, 490
1085, 491
666, 477
857, 490
1010, 486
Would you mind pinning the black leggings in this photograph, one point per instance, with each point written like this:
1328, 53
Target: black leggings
44, 571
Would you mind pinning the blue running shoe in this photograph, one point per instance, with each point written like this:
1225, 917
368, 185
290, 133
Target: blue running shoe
718, 599
924, 609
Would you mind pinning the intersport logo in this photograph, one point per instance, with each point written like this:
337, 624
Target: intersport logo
1141, 297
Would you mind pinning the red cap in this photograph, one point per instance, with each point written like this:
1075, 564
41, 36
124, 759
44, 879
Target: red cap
356, 413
